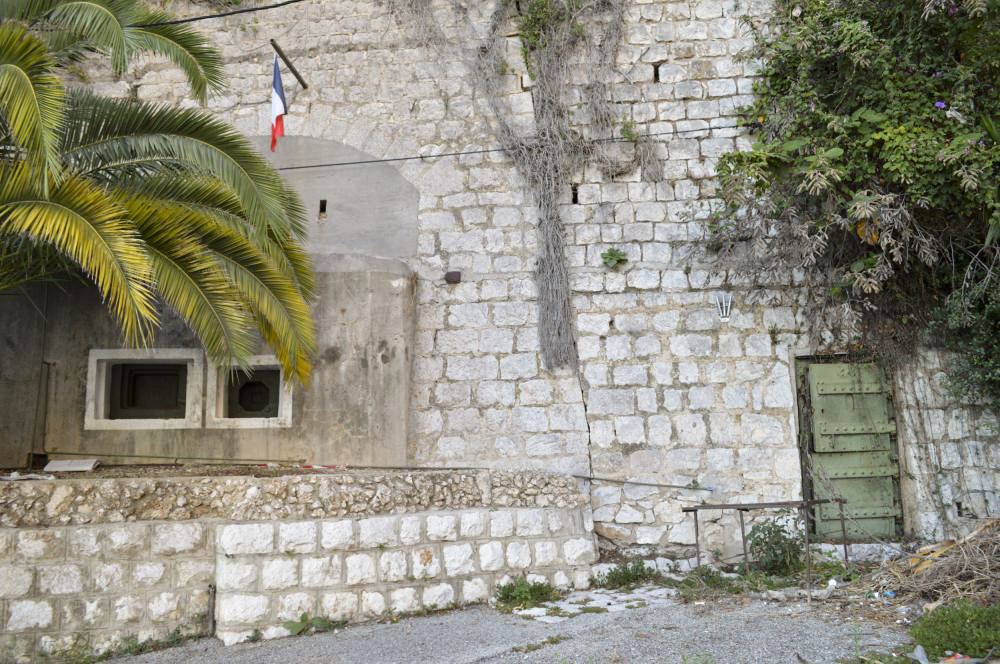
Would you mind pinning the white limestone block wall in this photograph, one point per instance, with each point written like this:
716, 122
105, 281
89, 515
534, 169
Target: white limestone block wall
665, 392
362, 569
950, 453
85, 588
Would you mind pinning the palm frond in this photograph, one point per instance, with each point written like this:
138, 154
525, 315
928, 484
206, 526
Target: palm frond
32, 100
101, 130
192, 283
185, 47
270, 295
101, 22
24, 261
202, 194
78, 219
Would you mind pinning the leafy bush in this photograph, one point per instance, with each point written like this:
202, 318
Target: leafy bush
874, 165
970, 327
522, 594
628, 575
960, 627
775, 548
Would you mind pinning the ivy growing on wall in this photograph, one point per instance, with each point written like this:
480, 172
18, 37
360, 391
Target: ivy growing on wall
874, 167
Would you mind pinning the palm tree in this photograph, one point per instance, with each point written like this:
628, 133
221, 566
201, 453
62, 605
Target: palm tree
149, 202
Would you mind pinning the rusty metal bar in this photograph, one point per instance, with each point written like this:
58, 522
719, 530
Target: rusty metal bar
804, 510
757, 506
843, 530
697, 543
743, 535
288, 63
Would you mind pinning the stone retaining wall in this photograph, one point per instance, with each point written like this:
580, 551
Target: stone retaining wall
244, 498
95, 561
89, 587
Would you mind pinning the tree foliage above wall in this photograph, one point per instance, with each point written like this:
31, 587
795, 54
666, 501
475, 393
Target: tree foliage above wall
874, 167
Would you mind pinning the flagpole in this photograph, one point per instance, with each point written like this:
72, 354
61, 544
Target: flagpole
288, 63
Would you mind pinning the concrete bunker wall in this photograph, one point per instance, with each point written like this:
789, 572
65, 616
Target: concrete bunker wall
365, 313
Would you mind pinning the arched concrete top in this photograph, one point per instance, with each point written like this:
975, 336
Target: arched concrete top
370, 208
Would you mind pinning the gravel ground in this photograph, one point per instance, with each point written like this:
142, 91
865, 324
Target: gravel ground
750, 632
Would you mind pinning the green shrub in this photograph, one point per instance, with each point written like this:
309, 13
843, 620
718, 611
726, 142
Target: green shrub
970, 327
627, 575
775, 548
960, 627
876, 149
522, 594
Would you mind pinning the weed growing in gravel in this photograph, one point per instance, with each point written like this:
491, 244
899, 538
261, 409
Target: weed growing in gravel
531, 647
307, 625
80, 652
628, 575
522, 594
696, 659
593, 609
705, 583
960, 627
775, 548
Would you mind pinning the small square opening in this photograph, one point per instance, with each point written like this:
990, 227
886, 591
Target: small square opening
253, 395
147, 391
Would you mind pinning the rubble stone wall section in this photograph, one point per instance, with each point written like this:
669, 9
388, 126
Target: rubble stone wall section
950, 453
87, 588
244, 498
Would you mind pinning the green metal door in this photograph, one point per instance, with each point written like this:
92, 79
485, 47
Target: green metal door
852, 452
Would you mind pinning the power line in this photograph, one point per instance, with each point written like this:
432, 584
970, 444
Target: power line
193, 19
361, 162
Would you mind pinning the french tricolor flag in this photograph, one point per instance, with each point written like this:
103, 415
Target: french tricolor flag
278, 107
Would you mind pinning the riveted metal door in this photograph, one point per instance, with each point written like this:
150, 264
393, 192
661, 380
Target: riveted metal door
852, 450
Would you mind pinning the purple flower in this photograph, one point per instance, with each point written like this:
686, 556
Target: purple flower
940, 104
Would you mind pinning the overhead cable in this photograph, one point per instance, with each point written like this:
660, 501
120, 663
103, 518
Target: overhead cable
193, 19
361, 162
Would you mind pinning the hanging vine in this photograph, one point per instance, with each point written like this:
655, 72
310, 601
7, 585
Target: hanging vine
575, 124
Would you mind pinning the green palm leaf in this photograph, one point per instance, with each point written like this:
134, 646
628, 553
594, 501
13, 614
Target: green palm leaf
203, 194
31, 99
192, 283
269, 293
109, 131
101, 22
80, 221
183, 46
116, 27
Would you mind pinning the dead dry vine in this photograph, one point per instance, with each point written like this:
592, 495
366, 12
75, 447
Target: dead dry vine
570, 48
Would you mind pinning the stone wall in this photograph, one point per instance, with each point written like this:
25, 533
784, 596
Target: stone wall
950, 453
243, 498
86, 588
665, 391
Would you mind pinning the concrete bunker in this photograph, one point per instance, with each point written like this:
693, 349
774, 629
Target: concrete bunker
81, 394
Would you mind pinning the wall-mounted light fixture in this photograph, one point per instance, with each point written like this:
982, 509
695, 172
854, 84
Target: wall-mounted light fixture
724, 304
